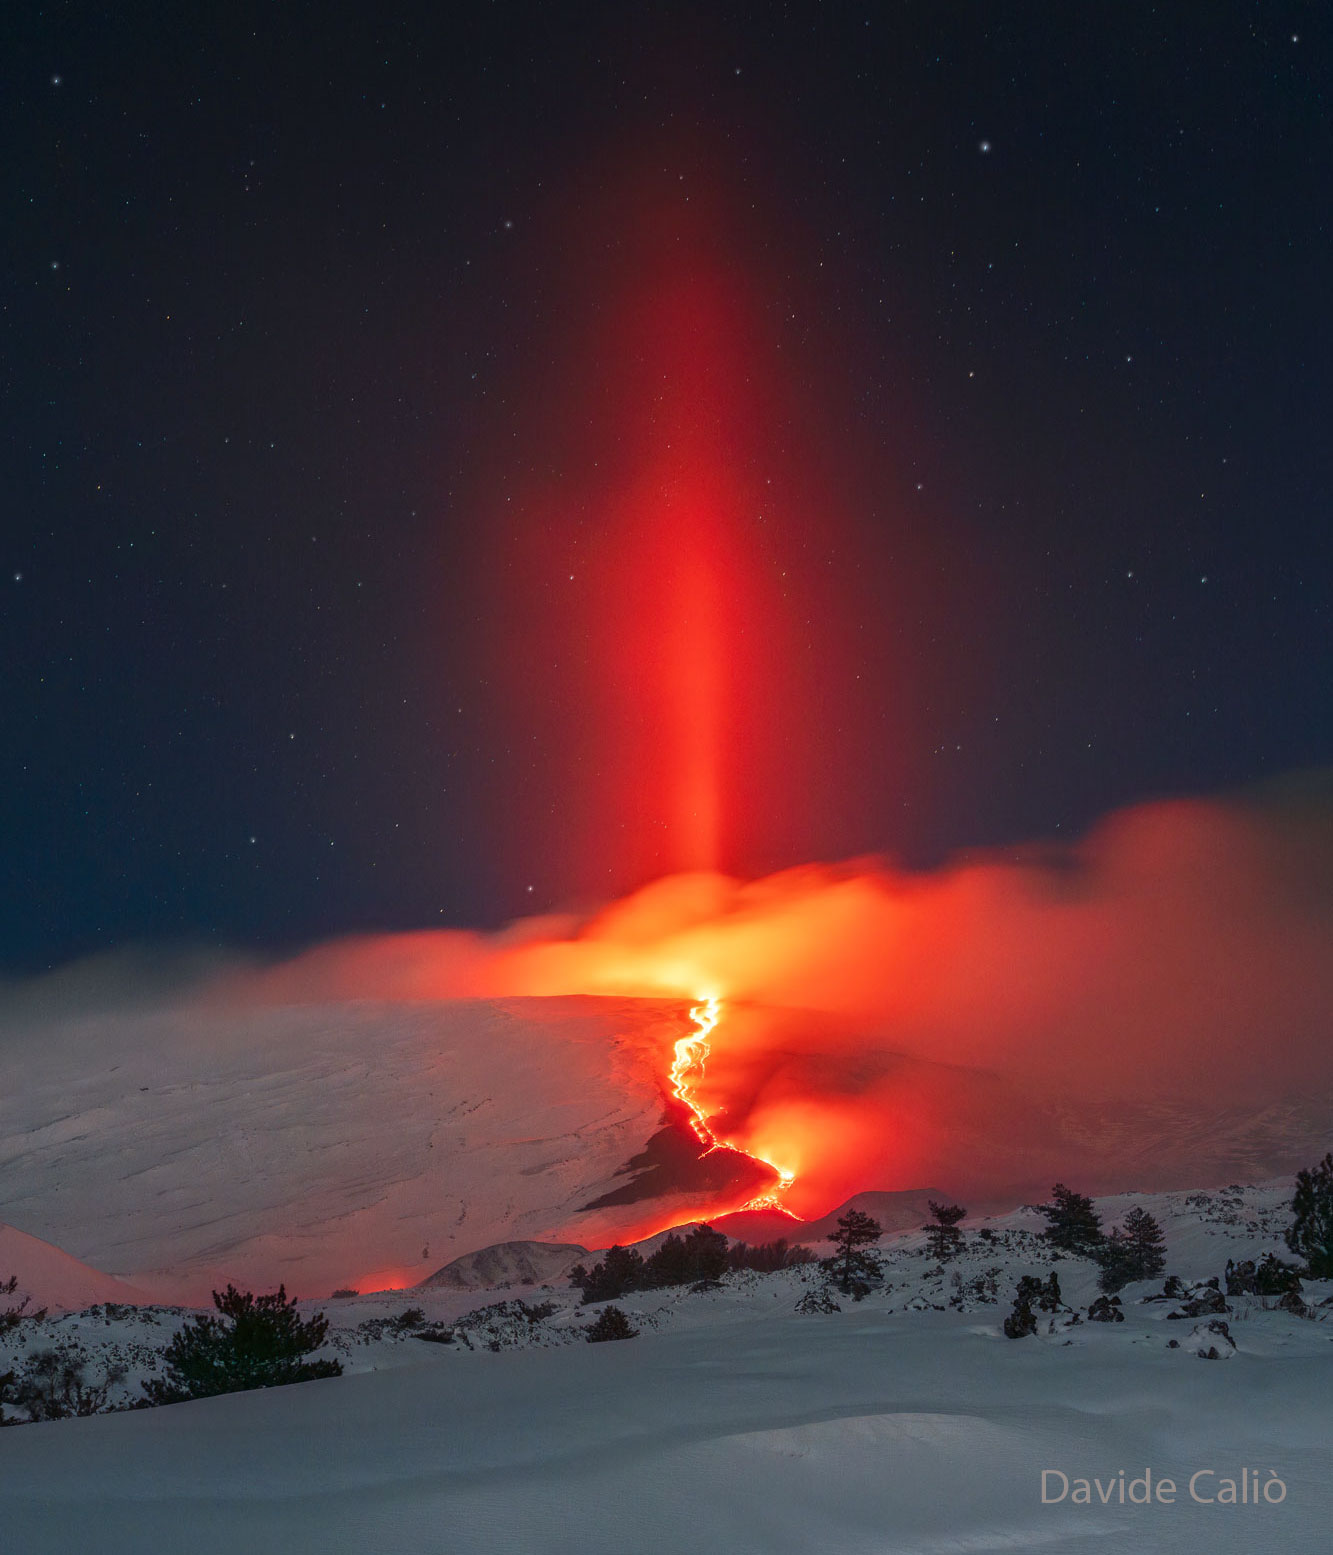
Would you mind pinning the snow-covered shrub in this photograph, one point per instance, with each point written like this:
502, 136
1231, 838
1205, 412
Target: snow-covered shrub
1043, 1294
509, 1325
1274, 1277
1106, 1309
1211, 1341
817, 1301
1201, 1300
982, 1290
56, 1384
611, 1324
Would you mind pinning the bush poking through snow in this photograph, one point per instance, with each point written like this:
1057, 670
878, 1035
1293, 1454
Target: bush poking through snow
1202, 1300
1270, 1277
1043, 1294
1211, 1341
817, 1301
55, 1385
1310, 1235
611, 1324
13, 1313
257, 1342
1021, 1322
1106, 1309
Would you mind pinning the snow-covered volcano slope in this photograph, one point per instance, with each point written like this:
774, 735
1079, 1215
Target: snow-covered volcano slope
370, 1145
52, 1279
361, 1145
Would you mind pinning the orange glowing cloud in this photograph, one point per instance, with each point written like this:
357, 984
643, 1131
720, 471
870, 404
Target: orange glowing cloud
884, 1029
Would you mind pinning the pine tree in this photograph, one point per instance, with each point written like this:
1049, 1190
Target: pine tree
611, 1324
700, 1255
619, 1272
706, 1253
1073, 1225
1134, 1251
669, 1264
945, 1239
257, 1342
1310, 1235
768, 1257
853, 1265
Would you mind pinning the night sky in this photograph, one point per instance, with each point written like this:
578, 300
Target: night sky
314, 412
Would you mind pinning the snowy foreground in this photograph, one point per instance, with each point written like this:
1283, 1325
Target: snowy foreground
906, 1422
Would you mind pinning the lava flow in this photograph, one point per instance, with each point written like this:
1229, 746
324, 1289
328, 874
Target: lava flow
691, 1053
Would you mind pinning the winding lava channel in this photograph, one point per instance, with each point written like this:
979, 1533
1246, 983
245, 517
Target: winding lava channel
686, 1071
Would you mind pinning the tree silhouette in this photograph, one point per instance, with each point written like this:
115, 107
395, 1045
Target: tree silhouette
1072, 1224
1310, 1235
945, 1240
257, 1342
611, 1324
1134, 1251
12, 1314
620, 1271
853, 1265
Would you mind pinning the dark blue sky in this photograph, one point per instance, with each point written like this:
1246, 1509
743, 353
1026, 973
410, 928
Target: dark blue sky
277, 287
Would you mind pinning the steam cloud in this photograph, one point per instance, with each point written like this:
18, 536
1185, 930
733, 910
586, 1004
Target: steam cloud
886, 1028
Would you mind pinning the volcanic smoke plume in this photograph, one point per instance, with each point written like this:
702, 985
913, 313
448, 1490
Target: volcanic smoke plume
1017, 1013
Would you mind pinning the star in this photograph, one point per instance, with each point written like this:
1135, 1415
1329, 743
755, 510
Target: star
983, 146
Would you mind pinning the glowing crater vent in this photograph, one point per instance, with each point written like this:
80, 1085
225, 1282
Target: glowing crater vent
687, 1070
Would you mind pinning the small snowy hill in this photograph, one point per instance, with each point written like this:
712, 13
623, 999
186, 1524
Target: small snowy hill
508, 1263
52, 1279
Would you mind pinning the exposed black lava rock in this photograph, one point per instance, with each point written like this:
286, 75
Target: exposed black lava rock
674, 1161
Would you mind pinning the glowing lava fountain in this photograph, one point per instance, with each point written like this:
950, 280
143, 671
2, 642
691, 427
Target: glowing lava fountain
686, 1070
